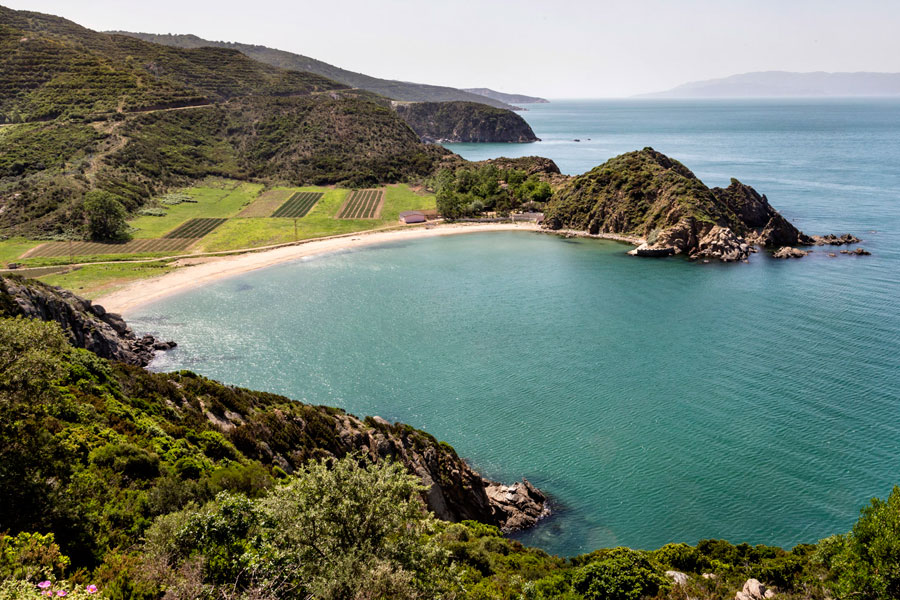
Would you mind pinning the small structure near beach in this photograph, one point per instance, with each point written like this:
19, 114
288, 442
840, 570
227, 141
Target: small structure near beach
412, 216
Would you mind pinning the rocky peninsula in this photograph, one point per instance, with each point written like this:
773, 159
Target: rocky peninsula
650, 196
449, 122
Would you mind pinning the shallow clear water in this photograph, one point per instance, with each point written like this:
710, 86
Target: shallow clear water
656, 400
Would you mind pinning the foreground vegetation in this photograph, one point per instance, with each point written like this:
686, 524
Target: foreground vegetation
114, 477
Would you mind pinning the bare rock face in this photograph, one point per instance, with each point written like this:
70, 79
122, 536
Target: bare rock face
455, 491
780, 232
721, 243
788, 252
519, 505
754, 590
88, 325
677, 577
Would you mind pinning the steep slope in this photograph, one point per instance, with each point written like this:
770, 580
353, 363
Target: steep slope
651, 196
464, 122
397, 90
508, 98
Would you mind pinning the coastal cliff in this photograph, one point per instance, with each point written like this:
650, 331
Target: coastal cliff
449, 122
87, 325
648, 195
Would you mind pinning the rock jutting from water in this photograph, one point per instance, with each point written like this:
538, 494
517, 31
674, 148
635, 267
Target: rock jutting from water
654, 197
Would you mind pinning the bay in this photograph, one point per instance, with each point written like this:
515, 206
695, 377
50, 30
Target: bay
655, 400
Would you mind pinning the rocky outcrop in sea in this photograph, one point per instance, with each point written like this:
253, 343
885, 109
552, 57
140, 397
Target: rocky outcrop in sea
654, 197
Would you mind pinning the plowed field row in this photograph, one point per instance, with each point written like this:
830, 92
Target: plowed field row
57, 249
362, 204
298, 205
194, 228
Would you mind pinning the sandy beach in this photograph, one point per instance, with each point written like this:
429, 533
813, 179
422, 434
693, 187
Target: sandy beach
202, 270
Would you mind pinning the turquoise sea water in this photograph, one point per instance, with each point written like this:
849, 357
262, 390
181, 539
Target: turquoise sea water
655, 400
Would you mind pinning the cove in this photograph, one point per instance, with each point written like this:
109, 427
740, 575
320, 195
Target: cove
655, 400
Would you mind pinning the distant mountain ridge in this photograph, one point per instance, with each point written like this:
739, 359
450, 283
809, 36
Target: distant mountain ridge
508, 98
785, 84
396, 90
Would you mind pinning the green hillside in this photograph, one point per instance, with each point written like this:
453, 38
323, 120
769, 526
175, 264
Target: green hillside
88, 111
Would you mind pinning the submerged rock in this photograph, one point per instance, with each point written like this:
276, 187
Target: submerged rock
857, 252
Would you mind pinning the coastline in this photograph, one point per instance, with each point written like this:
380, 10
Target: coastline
195, 272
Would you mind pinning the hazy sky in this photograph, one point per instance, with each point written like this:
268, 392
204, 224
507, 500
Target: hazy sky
553, 48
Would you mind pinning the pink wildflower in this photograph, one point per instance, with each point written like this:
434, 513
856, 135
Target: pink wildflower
61, 593
91, 589
44, 585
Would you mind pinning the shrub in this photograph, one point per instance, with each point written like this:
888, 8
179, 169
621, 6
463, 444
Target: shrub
623, 574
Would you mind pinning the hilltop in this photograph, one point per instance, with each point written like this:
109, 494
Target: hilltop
784, 84
508, 98
396, 90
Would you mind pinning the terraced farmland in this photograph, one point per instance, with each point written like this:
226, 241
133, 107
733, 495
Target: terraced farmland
194, 228
60, 249
362, 204
298, 205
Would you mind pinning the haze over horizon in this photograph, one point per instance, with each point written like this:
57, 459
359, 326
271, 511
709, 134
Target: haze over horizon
580, 49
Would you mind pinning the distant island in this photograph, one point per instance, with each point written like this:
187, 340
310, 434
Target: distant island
507, 98
785, 84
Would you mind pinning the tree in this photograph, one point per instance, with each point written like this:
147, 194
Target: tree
340, 529
105, 217
360, 530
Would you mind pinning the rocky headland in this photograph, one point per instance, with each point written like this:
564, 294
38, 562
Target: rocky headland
449, 122
650, 196
87, 325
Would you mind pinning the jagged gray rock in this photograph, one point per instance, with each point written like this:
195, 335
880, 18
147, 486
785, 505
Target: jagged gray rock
788, 252
88, 325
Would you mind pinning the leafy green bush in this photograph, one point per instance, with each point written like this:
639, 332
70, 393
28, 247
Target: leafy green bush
623, 574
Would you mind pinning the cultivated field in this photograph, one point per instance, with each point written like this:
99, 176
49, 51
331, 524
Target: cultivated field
298, 205
362, 204
194, 229
266, 204
202, 219
150, 246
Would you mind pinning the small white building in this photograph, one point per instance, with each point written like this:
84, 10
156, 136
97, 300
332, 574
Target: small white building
412, 216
